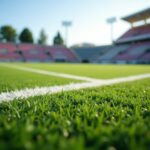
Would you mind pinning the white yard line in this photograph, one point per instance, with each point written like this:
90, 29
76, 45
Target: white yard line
31, 92
50, 73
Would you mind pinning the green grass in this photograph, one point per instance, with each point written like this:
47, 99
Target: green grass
93, 70
108, 118
11, 79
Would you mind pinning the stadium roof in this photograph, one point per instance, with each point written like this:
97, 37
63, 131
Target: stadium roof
142, 15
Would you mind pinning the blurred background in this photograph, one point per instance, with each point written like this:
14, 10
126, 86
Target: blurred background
74, 24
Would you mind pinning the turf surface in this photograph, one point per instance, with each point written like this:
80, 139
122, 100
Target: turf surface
93, 70
108, 118
11, 79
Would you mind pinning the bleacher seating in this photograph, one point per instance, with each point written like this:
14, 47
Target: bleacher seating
112, 52
90, 54
61, 54
135, 33
35, 53
8, 52
145, 58
133, 53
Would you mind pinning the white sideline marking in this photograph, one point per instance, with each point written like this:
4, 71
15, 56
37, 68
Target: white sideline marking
31, 92
51, 73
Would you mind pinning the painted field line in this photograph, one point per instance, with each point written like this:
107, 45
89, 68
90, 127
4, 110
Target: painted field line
51, 73
31, 92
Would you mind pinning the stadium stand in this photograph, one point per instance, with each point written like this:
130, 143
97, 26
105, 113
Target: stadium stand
145, 58
90, 54
61, 54
8, 52
139, 39
36, 53
133, 53
33, 53
132, 47
135, 34
108, 56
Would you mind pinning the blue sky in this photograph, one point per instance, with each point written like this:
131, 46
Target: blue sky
88, 17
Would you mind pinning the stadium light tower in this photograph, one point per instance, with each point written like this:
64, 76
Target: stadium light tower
66, 24
111, 21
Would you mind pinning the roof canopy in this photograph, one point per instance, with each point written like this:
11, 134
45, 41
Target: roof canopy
139, 16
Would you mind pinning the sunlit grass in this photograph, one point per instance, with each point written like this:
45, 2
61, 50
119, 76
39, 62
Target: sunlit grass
111, 117
94, 70
107, 118
11, 79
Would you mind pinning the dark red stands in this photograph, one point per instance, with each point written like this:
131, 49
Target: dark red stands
36, 53
8, 52
33, 53
61, 54
135, 54
145, 58
135, 34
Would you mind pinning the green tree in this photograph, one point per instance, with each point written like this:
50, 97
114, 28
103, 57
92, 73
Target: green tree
26, 36
58, 40
8, 33
42, 38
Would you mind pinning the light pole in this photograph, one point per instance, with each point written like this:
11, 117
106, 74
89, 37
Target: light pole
66, 24
111, 21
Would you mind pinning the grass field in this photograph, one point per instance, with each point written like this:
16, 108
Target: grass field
115, 117
95, 71
11, 79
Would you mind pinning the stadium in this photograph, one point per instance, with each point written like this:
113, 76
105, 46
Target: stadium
77, 98
133, 47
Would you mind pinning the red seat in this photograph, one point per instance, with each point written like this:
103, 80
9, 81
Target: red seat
136, 31
32, 52
8, 52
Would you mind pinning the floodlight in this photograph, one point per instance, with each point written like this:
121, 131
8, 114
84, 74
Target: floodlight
66, 24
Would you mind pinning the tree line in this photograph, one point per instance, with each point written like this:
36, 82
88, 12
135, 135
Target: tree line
9, 34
